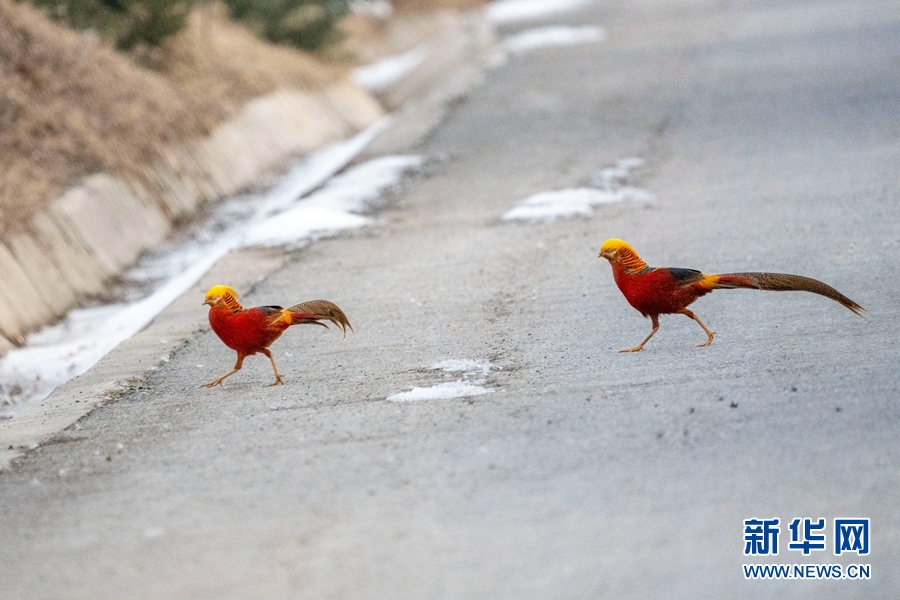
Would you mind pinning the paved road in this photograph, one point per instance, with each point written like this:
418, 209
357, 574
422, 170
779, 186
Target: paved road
772, 138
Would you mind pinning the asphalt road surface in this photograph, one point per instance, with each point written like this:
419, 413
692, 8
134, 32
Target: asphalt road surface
771, 132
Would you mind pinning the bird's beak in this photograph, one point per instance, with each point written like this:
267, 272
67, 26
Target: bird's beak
207, 301
603, 255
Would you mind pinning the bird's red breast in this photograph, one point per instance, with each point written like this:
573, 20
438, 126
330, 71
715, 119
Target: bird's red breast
248, 331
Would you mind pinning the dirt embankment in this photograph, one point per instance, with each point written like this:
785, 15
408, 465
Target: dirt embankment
71, 107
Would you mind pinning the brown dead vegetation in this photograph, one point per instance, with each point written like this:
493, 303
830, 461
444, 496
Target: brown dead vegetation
70, 107
220, 65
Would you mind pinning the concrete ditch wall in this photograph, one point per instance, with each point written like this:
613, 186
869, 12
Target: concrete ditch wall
100, 226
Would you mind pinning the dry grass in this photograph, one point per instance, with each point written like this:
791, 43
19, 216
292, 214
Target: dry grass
70, 107
219, 65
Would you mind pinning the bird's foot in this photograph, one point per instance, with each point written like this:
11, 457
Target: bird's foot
709, 341
277, 381
213, 383
635, 349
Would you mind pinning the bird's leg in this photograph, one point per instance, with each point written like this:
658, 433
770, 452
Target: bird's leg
653, 319
237, 367
711, 334
274, 368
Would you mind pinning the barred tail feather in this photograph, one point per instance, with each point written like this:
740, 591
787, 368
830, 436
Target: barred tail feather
782, 282
314, 311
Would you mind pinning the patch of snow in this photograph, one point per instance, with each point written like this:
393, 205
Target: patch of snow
299, 224
611, 178
451, 389
633, 194
560, 203
58, 353
312, 172
609, 186
333, 208
512, 11
630, 163
544, 37
355, 190
463, 365
441, 391
382, 74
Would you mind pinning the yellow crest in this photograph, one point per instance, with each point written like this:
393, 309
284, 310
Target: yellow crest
616, 244
620, 252
219, 291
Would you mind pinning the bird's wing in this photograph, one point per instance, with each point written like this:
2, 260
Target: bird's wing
273, 314
684, 276
700, 282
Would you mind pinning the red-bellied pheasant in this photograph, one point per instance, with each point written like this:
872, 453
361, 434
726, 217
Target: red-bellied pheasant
655, 291
248, 331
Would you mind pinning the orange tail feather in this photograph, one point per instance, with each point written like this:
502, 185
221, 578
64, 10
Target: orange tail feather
783, 282
315, 311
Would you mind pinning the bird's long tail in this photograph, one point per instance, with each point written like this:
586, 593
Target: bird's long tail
783, 282
315, 311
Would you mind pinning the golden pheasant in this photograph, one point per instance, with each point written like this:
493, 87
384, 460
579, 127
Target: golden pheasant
248, 331
655, 291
